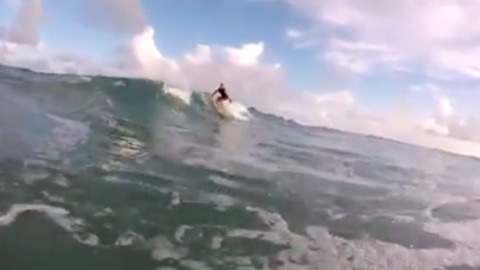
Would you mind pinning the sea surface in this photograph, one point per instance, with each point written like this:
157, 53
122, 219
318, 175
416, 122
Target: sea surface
116, 173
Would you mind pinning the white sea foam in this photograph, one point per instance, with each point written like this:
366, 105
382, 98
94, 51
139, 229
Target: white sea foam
58, 215
238, 110
163, 249
321, 250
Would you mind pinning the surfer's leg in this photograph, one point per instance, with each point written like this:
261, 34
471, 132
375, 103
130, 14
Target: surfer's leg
222, 97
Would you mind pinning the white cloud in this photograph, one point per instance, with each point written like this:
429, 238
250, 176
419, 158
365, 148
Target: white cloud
247, 55
20, 41
440, 34
142, 52
302, 38
446, 119
462, 61
360, 56
202, 55
25, 28
428, 88
294, 33
7, 50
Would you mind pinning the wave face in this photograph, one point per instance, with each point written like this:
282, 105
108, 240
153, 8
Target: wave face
117, 173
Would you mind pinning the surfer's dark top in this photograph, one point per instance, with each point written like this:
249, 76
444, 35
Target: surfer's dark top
223, 94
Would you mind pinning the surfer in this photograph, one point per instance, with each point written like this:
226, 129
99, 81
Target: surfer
223, 93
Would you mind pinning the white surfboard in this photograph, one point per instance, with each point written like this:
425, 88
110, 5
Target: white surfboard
220, 108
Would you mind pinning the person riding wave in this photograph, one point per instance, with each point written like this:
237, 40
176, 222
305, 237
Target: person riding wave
222, 92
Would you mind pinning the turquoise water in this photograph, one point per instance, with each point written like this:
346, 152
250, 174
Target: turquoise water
113, 173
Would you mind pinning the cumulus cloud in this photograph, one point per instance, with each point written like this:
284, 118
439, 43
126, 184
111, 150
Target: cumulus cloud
203, 54
142, 56
438, 34
247, 55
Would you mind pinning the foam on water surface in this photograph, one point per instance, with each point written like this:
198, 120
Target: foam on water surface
59, 215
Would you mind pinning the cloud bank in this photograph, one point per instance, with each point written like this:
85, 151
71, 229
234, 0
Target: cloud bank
379, 36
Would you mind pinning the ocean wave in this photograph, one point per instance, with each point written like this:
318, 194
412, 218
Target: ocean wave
121, 167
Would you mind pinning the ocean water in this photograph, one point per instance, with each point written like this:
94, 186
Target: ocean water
115, 173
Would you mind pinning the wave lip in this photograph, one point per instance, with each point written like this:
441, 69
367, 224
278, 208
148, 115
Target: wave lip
178, 94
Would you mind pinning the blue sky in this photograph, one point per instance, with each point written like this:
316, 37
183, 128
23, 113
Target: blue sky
355, 46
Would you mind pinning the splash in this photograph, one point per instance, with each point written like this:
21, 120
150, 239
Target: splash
237, 110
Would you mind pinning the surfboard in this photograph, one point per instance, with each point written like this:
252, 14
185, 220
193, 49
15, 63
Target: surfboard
220, 108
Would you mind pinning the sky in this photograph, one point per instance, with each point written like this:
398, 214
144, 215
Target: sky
407, 70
